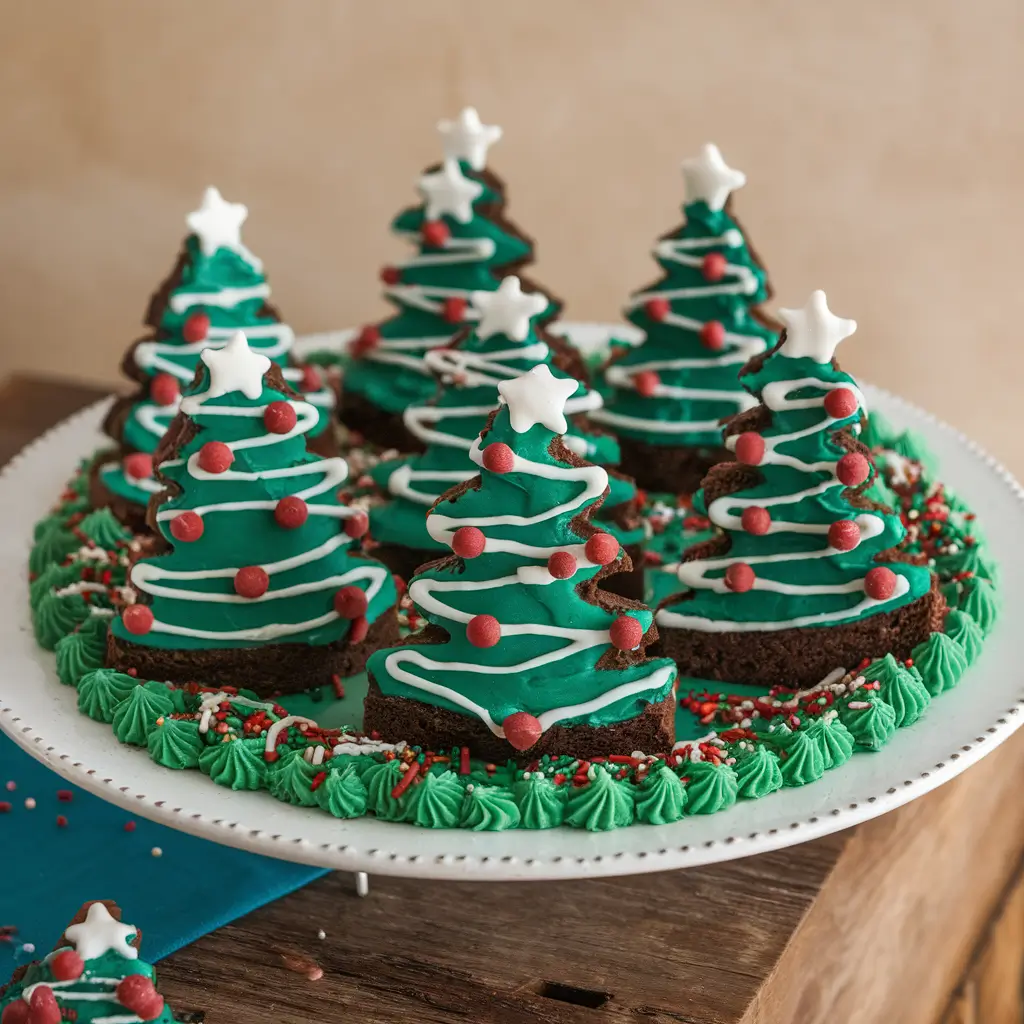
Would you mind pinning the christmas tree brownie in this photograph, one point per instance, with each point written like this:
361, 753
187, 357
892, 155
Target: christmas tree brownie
216, 287
255, 585
506, 342
93, 976
701, 321
464, 244
806, 575
525, 653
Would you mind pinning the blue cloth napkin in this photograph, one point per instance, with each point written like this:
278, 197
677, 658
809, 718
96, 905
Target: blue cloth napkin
173, 886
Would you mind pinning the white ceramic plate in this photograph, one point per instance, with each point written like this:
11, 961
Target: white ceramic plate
960, 727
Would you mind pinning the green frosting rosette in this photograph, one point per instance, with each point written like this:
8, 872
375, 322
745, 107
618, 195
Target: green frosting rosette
802, 759
82, 651
758, 773
901, 687
911, 445
175, 743
979, 600
52, 545
964, 630
660, 798
342, 793
101, 691
941, 662
878, 432
237, 764
381, 778
56, 615
135, 717
103, 529
541, 802
291, 779
601, 805
869, 719
711, 787
53, 577
488, 809
831, 737
435, 801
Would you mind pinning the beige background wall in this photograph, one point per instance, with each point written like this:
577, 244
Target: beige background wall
883, 142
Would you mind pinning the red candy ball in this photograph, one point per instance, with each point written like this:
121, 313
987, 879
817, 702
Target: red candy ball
852, 469
358, 630
67, 965
844, 535
138, 465
196, 328
435, 233
739, 577
16, 1012
454, 310
840, 403
368, 338
750, 448
646, 382
137, 619
713, 266
626, 633
498, 458
468, 542
712, 335
357, 525
756, 520
522, 730
42, 1006
291, 512
215, 457
164, 389
279, 417
562, 565
187, 527
311, 379
138, 994
880, 583
251, 581
657, 309
602, 549
483, 631
390, 275
350, 602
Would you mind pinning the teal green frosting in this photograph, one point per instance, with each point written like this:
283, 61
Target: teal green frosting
342, 793
381, 778
941, 662
964, 630
103, 529
237, 764
82, 651
56, 616
802, 760
900, 687
660, 798
831, 737
435, 801
488, 809
291, 779
711, 787
981, 603
541, 802
101, 691
175, 743
53, 577
871, 725
758, 773
135, 717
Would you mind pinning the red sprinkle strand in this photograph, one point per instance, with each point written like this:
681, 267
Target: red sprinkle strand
406, 780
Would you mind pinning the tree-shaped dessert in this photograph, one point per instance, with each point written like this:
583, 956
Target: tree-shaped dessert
256, 585
701, 321
95, 974
505, 343
464, 245
524, 651
216, 287
805, 577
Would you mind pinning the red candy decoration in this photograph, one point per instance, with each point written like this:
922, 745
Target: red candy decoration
522, 730
137, 619
840, 403
187, 527
756, 520
358, 630
291, 512
42, 1006
279, 417
164, 389
646, 382
713, 266
67, 965
350, 602
468, 542
602, 549
750, 448
435, 233
657, 309
852, 469
215, 457
251, 581
880, 583
367, 339
390, 275
311, 379
483, 631
626, 633
739, 577
844, 535
562, 565
499, 458
138, 465
196, 328
357, 525
454, 310
712, 335
138, 994
16, 1012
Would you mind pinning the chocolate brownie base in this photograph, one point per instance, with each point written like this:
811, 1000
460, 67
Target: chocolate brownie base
628, 584
674, 469
268, 669
434, 728
375, 426
129, 513
403, 561
799, 658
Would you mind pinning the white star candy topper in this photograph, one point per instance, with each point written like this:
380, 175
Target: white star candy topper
235, 367
538, 396
218, 223
99, 932
508, 309
466, 138
708, 177
814, 331
450, 191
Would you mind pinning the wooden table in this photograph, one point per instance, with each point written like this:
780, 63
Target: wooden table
917, 916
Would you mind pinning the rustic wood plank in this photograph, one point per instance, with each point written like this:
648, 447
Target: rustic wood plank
1000, 967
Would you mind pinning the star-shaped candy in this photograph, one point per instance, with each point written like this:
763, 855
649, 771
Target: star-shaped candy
710, 178
235, 367
538, 396
449, 191
100, 933
814, 331
217, 223
508, 310
467, 139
